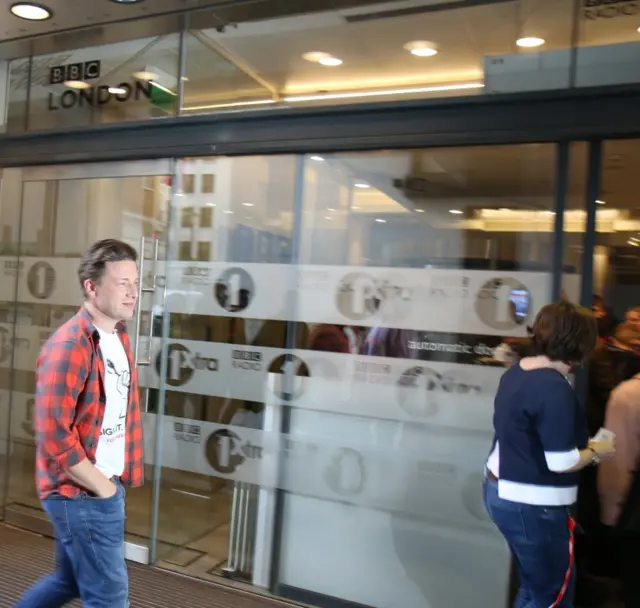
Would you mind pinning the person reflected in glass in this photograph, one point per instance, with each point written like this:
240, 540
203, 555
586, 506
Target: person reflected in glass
632, 316
540, 443
604, 317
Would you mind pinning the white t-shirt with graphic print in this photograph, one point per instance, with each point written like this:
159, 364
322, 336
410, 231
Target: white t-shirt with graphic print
110, 455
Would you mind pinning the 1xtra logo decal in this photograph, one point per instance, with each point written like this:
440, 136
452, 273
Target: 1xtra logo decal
182, 364
421, 389
225, 451
503, 303
361, 296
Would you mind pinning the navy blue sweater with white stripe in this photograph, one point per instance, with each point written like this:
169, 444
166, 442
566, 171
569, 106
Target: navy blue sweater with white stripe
539, 429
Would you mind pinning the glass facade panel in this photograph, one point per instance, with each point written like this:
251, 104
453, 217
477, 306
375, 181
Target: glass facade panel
323, 351
608, 49
425, 50
265, 55
229, 293
414, 266
616, 261
127, 81
216, 76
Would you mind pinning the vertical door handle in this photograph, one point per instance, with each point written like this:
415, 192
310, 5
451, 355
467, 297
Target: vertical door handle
146, 361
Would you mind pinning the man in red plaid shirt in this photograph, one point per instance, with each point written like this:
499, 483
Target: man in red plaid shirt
89, 435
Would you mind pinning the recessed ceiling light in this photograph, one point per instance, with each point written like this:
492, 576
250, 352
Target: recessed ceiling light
77, 84
144, 75
248, 204
327, 217
31, 11
421, 48
318, 159
456, 211
228, 212
361, 185
211, 204
331, 62
419, 210
315, 56
355, 208
530, 42
599, 202
380, 220
117, 91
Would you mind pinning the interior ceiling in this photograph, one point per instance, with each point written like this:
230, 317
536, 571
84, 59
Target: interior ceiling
370, 40
252, 49
71, 14
68, 14
514, 177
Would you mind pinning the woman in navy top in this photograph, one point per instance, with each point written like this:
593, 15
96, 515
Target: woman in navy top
541, 442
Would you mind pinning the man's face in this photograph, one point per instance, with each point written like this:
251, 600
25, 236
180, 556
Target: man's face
598, 310
116, 293
633, 317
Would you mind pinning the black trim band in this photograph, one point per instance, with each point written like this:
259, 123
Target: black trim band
479, 120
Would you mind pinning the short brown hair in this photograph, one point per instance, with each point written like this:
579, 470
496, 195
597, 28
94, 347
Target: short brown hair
95, 259
564, 332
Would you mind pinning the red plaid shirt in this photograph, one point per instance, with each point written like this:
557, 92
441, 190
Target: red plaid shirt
70, 404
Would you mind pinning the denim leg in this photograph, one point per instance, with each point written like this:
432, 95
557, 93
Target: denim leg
54, 590
539, 541
96, 547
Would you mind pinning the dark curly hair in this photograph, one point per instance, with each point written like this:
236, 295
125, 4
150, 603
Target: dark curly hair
564, 332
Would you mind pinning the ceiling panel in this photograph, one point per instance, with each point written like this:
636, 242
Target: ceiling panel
68, 14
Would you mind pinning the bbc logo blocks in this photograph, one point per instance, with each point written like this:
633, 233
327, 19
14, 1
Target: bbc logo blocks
89, 70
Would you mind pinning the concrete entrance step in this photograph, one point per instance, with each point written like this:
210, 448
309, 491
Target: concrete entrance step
25, 557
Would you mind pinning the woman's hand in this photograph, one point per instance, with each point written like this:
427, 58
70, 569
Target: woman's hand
604, 449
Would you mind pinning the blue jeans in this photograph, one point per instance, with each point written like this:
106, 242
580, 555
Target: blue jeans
89, 554
539, 540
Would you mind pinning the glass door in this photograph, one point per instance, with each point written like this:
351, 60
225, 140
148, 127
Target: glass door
229, 285
50, 215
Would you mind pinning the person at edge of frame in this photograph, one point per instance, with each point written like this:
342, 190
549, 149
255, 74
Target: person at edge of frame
89, 441
541, 441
